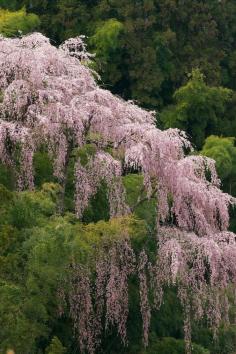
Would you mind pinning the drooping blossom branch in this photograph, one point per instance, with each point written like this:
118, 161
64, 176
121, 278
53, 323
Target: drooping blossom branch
93, 303
101, 167
121, 265
201, 268
81, 309
143, 291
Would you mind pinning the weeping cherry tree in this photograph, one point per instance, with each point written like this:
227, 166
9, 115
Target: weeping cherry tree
49, 97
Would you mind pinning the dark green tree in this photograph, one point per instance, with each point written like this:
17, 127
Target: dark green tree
223, 151
55, 347
198, 108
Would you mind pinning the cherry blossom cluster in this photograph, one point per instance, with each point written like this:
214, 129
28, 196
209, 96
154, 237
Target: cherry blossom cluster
100, 167
201, 268
88, 304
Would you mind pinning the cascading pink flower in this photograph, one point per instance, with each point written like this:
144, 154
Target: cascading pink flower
143, 291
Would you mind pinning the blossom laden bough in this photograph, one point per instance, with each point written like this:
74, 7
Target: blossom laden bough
49, 97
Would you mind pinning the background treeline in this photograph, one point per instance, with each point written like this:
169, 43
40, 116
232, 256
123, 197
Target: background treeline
146, 48
175, 56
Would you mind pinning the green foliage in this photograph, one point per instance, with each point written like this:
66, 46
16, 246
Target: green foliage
105, 39
98, 208
136, 198
7, 177
55, 347
70, 18
43, 168
227, 341
14, 23
6, 198
223, 151
106, 45
85, 152
6, 4
36, 248
223, 344
30, 207
198, 109
15, 324
168, 345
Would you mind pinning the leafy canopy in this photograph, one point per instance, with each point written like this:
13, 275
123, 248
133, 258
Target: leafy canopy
15, 23
223, 151
199, 108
